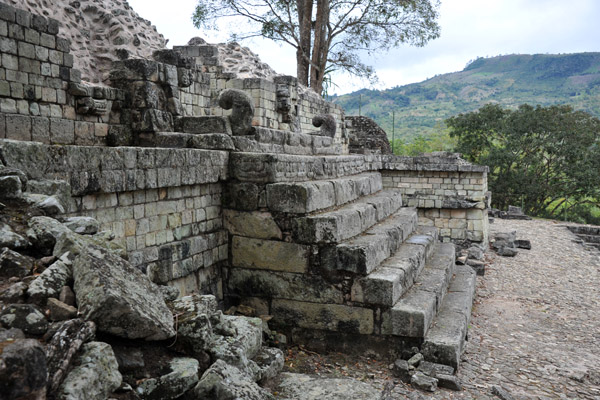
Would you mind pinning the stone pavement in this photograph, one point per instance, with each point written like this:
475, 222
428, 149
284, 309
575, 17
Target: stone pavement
535, 329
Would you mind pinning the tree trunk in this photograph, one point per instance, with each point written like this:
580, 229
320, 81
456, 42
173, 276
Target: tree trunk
320, 49
305, 8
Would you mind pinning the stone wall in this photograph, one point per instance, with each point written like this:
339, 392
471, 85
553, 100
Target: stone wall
162, 205
41, 96
450, 193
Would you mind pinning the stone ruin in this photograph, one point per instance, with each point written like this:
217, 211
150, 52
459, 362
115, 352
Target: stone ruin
136, 211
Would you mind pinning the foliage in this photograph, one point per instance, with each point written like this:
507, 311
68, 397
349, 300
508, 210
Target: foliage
329, 35
440, 140
538, 156
507, 80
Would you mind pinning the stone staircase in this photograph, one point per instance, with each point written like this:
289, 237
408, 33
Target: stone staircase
589, 236
316, 242
336, 259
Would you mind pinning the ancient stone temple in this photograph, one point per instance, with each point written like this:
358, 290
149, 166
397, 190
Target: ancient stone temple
244, 188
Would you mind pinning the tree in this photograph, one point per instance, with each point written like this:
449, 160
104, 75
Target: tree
540, 157
329, 35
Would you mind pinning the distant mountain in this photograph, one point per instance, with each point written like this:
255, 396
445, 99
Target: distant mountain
510, 80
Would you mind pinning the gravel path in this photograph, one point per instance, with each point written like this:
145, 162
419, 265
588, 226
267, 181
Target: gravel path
535, 329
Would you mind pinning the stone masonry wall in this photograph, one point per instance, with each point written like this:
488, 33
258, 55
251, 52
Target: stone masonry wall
449, 193
41, 96
162, 205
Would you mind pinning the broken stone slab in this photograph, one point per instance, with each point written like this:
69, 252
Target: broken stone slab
448, 382
118, 297
239, 343
95, 375
50, 282
478, 266
44, 232
182, 375
82, 225
62, 347
60, 311
270, 363
26, 317
424, 382
14, 264
23, 371
51, 206
225, 382
523, 244
12, 240
402, 370
507, 252
433, 369
415, 360
194, 327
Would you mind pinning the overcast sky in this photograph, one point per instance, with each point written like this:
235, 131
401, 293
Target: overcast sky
470, 29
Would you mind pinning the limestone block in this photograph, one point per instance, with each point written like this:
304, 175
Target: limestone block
331, 317
260, 225
269, 254
300, 198
270, 284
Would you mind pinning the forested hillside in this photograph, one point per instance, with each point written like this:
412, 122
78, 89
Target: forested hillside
509, 81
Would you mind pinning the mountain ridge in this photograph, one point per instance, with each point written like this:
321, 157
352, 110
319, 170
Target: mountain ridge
508, 80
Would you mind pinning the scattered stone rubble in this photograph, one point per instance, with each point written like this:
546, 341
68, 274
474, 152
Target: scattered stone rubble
78, 321
506, 244
512, 213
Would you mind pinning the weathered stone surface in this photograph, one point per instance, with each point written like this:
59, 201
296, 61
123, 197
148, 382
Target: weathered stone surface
182, 376
366, 136
259, 225
424, 382
25, 317
82, 225
415, 360
203, 125
194, 327
14, 264
401, 370
270, 254
242, 110
211, 142
51, 206
10, 187
502, 393
332, 317
50, 282
523, 244
95, 376
65, 343
14, 293
45, 232
270, 362
225, 382
119, 298
10, 239
60, 311
327, 123
448, 382
306, 387
282, 285
239, 342
300, 198
22, 369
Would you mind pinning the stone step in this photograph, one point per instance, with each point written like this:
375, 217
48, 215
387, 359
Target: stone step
202, 125
388, 282
276, 141
346, 222
584, 229
363, 254
589, 238
412, 315
307, 197
208, 141
444, 343
273, 168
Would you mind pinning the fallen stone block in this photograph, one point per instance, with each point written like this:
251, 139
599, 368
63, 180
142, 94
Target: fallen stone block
182, 375
448, 382
224, 382
14, 264
60, 311
118, 297
26, 317
523, 244
12, 240
82, 225
95, 375
424, 382
50, 282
